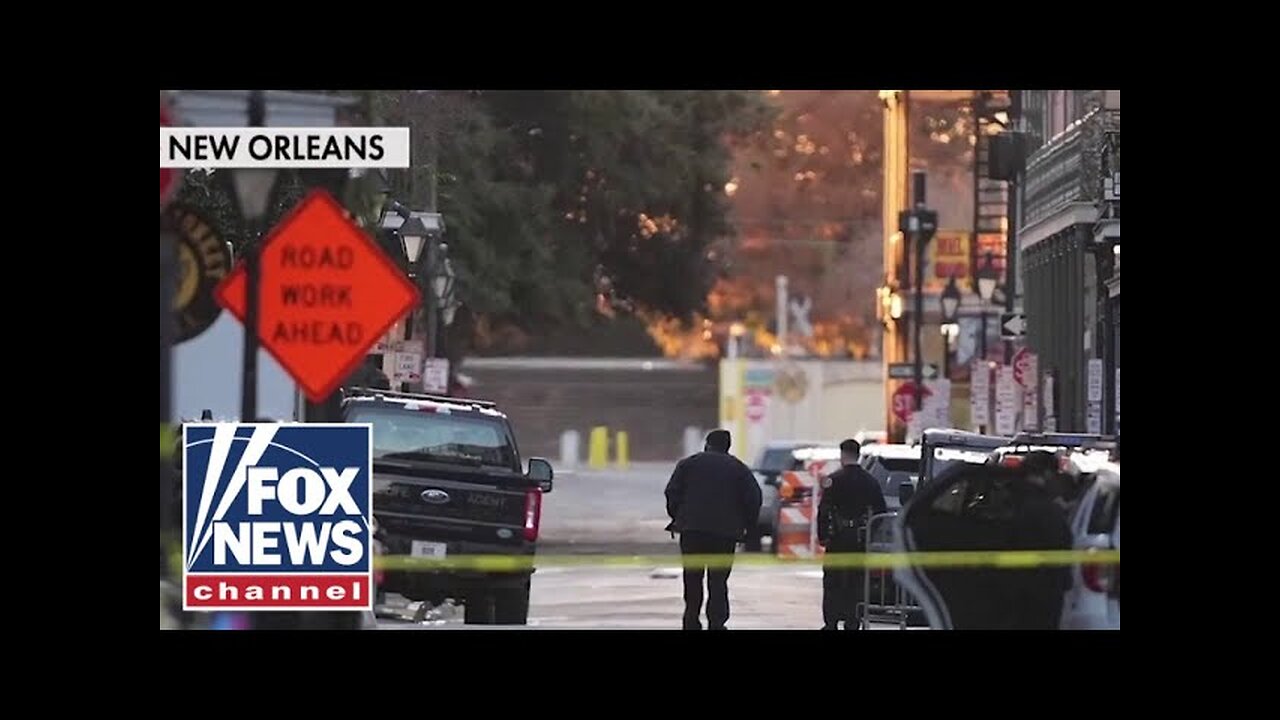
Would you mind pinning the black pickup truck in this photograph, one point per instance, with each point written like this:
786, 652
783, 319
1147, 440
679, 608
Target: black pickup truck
448, 481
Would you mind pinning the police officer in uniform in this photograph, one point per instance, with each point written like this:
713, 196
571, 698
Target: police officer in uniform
848, 495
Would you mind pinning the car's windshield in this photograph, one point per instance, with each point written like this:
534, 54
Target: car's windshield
778, 460
907, 465
946, 457
410, 435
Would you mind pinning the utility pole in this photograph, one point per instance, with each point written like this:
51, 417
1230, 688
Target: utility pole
1011, 249
918, 225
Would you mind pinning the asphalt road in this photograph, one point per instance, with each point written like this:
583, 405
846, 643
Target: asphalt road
623, 513
591, 598
608, 511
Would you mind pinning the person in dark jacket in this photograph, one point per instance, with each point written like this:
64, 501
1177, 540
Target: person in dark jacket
712, 499
848, 495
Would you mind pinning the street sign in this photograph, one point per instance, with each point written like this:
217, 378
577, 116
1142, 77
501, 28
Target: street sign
408, 366
1095, 380
435, 375
170, 178
907, 371
1024, 368
327, 294
1013, 325
1093, 418
757, 404
1006, 401
204, 260
904, 401
980, 393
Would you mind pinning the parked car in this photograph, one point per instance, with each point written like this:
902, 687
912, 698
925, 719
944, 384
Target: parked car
984, 507
891, 465
776, 458
448, 480
941, 449
1093, 602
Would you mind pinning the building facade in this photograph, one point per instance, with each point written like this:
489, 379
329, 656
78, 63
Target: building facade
1068, 223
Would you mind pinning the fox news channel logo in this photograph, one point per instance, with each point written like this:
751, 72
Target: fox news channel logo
276, 517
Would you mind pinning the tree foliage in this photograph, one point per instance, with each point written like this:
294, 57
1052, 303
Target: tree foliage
563, 204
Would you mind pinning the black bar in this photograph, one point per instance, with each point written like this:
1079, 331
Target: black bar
917, 187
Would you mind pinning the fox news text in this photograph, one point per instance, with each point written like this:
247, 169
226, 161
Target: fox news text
276, 517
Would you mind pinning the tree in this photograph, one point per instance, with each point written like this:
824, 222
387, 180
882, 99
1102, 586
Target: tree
560, 204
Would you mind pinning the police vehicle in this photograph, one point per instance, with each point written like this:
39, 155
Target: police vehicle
891, 465
944, 448
448, 481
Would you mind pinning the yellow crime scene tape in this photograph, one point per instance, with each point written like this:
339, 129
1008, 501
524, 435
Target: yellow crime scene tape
168, 441
1009, 559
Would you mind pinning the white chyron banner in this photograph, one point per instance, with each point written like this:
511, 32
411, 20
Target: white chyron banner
266, 147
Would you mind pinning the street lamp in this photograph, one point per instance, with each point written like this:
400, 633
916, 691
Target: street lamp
253, 191
413, 235
736, 331
252, 188
950, 301
442, 277
950, 330
987, 278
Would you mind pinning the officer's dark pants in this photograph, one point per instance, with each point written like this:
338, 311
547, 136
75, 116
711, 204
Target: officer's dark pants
699, 543
842, 590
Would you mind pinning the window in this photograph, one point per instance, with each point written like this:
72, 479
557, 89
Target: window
907, 465
482, 440
776, 461
1105, 509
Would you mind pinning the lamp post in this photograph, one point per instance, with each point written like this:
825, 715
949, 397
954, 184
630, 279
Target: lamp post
918, 225
442, 278
987, 278
253, 193
950, 330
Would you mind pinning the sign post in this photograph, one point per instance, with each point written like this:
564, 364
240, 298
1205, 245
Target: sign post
1093, 415
1006, 401
328, 294
980, 394
1025, 374
435, 375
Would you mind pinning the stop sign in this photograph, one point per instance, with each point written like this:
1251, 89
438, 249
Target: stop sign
904, 400
1022, 362
169, 177
756, 404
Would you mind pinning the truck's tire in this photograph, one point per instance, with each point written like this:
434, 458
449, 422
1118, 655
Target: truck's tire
752, 543
511, 606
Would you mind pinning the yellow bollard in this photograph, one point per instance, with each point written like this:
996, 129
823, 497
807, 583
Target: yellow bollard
598, 453
622, 449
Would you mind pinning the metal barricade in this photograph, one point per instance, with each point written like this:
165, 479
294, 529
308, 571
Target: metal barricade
891, 603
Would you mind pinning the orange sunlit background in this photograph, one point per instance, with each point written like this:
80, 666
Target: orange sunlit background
805, 201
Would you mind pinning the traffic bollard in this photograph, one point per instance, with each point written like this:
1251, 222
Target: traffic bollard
570, 444
622, 450
598, 453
